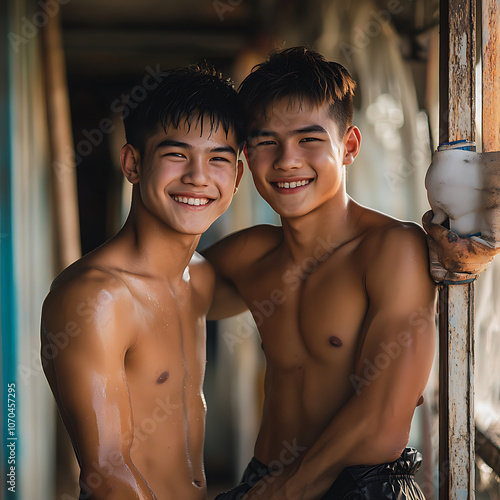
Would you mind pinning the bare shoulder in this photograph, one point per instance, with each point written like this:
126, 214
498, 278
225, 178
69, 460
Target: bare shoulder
243, 248
92, 299
385, 237
395, 255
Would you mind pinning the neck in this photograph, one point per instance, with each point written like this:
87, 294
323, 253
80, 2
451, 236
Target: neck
156, 249
321, 231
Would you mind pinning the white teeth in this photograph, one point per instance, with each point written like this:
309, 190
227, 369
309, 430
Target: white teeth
191, 201
291, 185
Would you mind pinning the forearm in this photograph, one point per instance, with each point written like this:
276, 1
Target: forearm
357, 435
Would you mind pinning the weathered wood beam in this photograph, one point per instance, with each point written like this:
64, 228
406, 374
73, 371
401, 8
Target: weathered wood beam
456, 306
488, 444
491, 75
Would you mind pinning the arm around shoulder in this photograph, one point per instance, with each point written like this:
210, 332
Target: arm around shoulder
230, 257
84, 341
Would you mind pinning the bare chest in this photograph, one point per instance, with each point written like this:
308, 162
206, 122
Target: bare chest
170, 345
314, 311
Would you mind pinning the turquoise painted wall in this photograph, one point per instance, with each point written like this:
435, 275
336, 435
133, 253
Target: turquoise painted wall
9, 454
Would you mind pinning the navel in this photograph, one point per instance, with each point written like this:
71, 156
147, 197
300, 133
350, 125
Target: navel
162, 378
335, 341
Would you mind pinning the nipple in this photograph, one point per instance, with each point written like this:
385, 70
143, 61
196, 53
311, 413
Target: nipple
335, 341
162, 378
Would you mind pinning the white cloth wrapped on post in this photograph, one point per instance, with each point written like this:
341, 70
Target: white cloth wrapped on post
464, 187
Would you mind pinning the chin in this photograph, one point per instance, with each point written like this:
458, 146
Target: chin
288, 212
193, 231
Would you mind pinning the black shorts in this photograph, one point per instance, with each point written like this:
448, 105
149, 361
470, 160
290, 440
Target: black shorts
392, 481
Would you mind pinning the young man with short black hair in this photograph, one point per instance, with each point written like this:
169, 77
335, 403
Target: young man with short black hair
350, 340
129, 383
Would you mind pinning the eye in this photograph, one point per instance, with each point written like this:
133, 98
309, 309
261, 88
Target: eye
220, 158
310, 139
174, 154
266, 143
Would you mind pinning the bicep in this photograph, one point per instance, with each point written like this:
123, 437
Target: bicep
90, 385
93, 394
399, 333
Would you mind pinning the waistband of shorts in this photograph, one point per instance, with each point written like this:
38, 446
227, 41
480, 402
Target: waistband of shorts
255, 471
407, 464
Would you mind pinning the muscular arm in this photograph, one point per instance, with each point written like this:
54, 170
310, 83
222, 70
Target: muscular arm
87, 376
229, 257
392, 369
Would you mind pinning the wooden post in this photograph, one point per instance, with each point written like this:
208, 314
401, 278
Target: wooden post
64, 187
487, 443
491, 75
456, 302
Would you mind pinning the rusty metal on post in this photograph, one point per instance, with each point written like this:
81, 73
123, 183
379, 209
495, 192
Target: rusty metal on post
456, 301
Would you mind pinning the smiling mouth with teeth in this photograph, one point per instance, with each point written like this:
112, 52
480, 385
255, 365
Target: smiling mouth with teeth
291, 185
191, 201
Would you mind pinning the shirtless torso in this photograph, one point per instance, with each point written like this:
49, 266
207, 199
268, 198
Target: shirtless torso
313, 315
342, 298
127, 324
140, 344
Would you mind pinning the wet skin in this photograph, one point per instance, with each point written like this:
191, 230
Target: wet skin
330, 290
129, 382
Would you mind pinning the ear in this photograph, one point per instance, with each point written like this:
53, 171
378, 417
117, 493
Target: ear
239, 175
130, 161
352, 143
245, 152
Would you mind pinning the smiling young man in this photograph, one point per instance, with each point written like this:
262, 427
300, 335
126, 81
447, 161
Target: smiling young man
348, 332
128, 382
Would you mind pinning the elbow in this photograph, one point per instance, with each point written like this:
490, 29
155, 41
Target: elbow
388, 440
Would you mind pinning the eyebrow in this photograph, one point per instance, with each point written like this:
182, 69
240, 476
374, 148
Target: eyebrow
177, 144
303, 130
184, 145
223, 149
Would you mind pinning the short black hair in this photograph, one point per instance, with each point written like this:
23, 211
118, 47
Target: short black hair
184, 95
303, 74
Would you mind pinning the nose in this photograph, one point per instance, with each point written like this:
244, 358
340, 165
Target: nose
196, 173
287, 158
